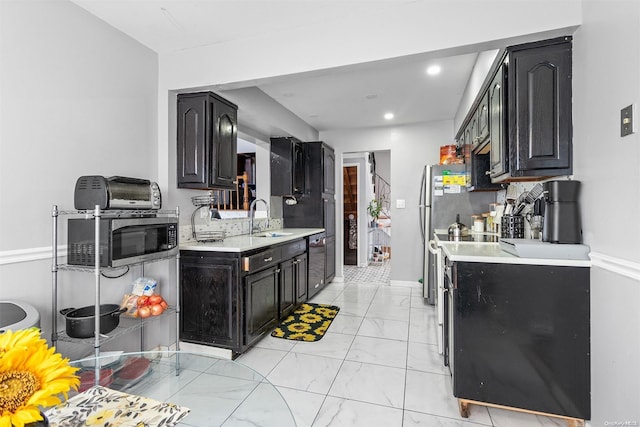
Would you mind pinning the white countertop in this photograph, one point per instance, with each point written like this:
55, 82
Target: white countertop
492, 253
247, 242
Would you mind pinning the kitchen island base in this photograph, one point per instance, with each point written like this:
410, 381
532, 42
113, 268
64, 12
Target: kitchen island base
464, 406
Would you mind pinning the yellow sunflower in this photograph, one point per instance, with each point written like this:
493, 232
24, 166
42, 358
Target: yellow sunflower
304, 308
310, 318
326, 312
322, 329
298, 327
289, 319
302, 337
32, 375
277, 332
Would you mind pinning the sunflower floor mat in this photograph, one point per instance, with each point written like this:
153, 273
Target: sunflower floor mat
308, 322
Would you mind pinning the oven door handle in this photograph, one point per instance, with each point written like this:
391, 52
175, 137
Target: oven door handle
433, 247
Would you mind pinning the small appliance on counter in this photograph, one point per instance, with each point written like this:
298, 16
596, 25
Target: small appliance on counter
561, 212
116, 192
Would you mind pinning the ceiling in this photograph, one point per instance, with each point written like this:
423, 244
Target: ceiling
349, 97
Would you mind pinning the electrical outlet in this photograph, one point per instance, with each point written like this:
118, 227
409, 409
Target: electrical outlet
627, 123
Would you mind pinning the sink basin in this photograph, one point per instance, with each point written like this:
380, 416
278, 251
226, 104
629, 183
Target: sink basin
272, 234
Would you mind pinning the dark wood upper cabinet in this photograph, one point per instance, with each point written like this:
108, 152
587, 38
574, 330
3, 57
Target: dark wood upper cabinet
288, 160
498, 159
206, 141
482, 120
540, 129
329, 165
522, 115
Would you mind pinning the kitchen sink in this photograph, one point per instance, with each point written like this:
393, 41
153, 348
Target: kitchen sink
272, 234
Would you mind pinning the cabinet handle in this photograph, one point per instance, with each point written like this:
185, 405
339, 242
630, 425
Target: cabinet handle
277, 270
487, 173
268, 259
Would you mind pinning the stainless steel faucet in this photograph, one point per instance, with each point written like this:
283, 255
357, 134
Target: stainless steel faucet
252, 209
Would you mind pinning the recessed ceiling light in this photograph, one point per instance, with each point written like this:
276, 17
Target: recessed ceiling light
433, 70
388, 116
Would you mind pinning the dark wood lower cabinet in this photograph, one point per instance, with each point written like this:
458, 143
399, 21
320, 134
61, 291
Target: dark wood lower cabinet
231, 300
330, 263
261, 302
520, 336
210, 300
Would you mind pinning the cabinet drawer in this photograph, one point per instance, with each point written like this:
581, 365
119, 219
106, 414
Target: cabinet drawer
261, 260
292, 249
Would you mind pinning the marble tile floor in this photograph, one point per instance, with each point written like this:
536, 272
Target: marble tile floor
378, 365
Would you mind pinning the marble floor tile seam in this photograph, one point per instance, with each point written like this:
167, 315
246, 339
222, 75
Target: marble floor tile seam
364, 401
444, 374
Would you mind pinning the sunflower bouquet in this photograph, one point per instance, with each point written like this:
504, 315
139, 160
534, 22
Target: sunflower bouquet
32, 376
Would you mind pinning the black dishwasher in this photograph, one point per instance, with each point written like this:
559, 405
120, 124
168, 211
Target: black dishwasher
317, 250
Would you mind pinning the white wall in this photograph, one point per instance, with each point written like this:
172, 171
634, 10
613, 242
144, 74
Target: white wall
77, 98
481, 68
411, 148
606, 70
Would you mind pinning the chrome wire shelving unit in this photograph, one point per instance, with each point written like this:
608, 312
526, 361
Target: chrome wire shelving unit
126, 325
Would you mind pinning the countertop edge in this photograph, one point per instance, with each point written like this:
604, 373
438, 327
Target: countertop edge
502, 257
247, 242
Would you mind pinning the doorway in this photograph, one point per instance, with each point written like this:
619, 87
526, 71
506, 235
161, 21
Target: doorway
366, 241
350, 214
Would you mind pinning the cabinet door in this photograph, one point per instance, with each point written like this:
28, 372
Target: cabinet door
193, 134
281, 166
329, 168
473, 129
208, 295
329, 205
498, 158
540, 129
330, 263
261, 304
225, 141
477, 173
287, 291
301, 271
298, 173
499, 305
483, 119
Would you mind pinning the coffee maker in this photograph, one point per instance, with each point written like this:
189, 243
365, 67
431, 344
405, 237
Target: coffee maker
561, 212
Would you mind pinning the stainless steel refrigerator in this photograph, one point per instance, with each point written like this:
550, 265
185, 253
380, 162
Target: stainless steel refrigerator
439, 204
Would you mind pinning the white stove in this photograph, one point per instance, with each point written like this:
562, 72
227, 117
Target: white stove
435, 247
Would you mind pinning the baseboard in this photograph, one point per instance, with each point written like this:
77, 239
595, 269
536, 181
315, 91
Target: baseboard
616, 265
405, 283
222, 353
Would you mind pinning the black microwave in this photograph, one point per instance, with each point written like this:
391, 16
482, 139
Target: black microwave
122, 241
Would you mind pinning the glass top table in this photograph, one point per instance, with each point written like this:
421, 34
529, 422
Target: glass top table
218, 392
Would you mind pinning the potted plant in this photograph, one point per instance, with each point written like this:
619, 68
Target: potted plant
373, 210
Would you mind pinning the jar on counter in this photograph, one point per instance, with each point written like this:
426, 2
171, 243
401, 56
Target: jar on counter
493, 208
488, 221
478, 223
